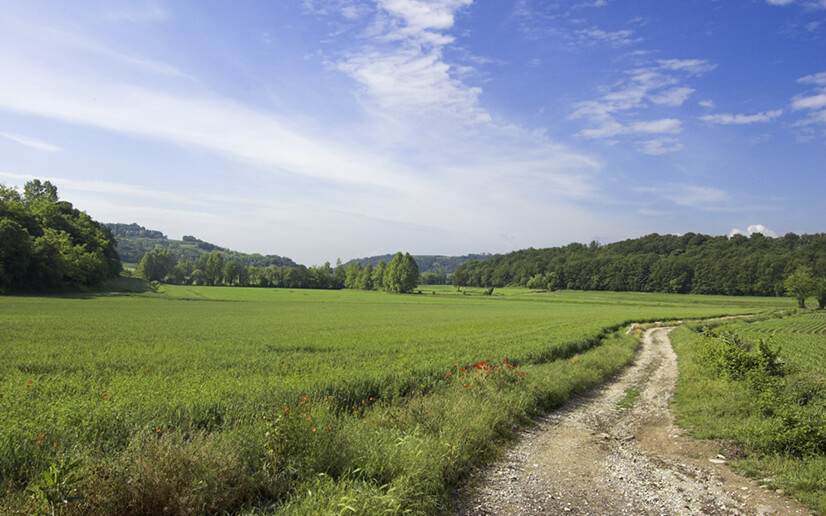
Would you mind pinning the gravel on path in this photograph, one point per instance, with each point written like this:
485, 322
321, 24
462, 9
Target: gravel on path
593, 457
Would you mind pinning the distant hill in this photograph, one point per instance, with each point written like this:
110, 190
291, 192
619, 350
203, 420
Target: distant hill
133, 241
427, 262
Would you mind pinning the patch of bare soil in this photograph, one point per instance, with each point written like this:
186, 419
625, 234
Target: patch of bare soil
595, 457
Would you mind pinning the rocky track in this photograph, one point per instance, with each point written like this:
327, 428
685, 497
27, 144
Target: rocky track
594, 457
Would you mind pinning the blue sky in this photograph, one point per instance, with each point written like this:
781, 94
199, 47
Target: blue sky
346, 128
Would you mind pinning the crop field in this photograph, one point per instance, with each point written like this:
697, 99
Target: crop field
210, 399
802, 338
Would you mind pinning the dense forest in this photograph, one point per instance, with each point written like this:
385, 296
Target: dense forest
48, 245
690, 263
134, 241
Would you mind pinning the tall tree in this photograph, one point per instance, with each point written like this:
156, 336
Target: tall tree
800, 285
156, 265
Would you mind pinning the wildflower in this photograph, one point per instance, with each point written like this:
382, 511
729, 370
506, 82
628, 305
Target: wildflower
147, 370
105, 395
286, 410
158, 431
38, 442
42, 436
313, 429
54, 445
372, 420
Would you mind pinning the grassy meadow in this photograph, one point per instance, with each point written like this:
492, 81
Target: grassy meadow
187, 400
776, 414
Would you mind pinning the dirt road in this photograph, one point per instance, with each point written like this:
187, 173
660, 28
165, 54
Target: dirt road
593, 457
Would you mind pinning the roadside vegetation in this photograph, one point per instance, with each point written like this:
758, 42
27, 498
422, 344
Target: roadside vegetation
205, 399
762, 385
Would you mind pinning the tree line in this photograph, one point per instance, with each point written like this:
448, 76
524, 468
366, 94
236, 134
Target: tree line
691, 263
48, 245
401, 275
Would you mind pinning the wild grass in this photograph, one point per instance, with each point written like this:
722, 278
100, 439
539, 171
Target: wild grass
211, 400
777, 413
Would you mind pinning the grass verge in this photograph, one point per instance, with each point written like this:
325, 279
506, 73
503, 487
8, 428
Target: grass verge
776, 413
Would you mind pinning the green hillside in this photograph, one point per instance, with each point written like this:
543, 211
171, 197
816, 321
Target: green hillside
133, 241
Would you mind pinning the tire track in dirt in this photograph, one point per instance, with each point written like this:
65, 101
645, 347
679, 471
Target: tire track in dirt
593, 457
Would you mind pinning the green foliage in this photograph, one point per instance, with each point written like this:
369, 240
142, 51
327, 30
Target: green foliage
734, 358
820, 292
156, 265
800, 285
134, 241
402, 274
180, 400
440, 267
691, 263
57, 486
731, 390
46, 244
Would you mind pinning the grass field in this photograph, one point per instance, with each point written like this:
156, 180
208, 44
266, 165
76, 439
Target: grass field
779, 419
210, 399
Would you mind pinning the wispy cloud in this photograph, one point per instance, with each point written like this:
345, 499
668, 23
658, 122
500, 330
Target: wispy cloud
692, 66
618, 110
692, 196
659, 146
402, 65
619, 38
610, 129
32, 143
740, 119
672, 97
813, 103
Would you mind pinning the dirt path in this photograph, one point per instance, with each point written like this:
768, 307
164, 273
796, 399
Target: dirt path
592, 457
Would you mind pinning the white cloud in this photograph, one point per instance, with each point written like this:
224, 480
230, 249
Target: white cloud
754, 228
706, 103
693, 66
812, 102
672, 97
618, 38
780, 2
618, 110
693, 196
32, 143
612, 128
818, 78
402, 67
660, 146
739, 119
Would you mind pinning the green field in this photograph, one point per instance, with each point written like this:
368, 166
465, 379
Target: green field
210, 399
778, 417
